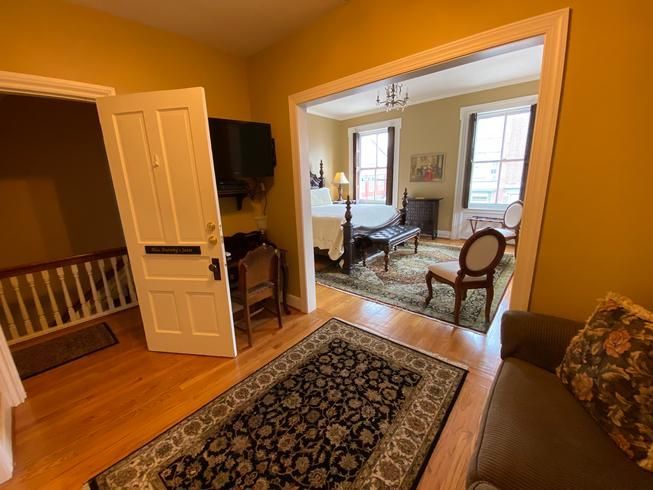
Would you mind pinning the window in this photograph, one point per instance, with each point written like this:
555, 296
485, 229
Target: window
373, 160
497, 157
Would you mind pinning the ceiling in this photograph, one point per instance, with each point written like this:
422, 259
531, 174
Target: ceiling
241, 27
518, 66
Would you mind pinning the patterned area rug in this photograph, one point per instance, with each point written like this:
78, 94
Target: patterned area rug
404, 285
344, 408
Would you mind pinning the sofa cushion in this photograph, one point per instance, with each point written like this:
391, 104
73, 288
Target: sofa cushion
608, 367
535, 435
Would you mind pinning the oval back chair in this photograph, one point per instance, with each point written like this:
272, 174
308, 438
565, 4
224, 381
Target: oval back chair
512, 215
474, 269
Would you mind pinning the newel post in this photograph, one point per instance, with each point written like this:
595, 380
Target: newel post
404, 204
347, 239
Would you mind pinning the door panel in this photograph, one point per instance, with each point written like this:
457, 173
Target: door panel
160, 158
183, 181
144, 203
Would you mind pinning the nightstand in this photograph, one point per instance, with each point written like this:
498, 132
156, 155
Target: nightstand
423, 213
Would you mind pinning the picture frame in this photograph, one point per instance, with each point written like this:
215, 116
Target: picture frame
427, 167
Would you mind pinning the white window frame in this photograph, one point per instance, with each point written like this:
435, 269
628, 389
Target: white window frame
460, 227
394, 123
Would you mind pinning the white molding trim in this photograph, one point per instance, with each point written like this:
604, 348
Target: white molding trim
6, 456
21, 83
12, 392
553, 26
448, 95
458, 216
396, 123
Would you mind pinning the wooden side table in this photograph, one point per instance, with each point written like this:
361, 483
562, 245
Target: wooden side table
423, 213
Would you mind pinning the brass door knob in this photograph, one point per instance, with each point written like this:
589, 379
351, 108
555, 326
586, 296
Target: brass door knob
213, 240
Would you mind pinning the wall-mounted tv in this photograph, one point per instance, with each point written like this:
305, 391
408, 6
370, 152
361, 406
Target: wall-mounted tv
241, 149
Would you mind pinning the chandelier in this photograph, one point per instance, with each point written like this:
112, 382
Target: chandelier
393, 98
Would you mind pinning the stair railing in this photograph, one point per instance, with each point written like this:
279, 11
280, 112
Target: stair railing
44, 297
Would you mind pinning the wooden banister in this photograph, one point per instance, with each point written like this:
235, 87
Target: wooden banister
42, 297
53, 264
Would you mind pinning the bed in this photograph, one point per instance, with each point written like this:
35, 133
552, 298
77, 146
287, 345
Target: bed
339, 229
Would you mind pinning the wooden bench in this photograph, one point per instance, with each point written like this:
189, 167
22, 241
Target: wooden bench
388, 238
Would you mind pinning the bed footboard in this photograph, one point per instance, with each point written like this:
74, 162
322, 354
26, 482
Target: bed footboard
351, 233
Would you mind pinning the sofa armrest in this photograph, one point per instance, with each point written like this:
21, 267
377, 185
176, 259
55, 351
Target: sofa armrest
538, 339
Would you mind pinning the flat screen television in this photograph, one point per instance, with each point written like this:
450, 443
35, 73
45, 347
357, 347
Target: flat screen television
241, 149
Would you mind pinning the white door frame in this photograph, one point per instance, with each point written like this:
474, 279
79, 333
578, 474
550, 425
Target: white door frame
395, 123
553, 28
459, 213
12, 392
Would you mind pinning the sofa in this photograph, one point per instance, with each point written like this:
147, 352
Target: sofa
534, 434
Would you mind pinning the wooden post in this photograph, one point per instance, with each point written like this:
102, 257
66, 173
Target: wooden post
404, 204
347, 239
321, 174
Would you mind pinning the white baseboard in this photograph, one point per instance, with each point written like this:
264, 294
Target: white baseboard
444, 234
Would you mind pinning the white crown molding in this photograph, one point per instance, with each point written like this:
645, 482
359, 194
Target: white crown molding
426, 100
21, 83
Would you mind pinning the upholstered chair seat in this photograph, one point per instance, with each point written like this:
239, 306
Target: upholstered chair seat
449, 270
474, 269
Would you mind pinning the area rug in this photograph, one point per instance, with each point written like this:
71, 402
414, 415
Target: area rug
404, 284
344, 408
49, 354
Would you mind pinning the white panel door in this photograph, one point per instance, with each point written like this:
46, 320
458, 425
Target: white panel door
162, 169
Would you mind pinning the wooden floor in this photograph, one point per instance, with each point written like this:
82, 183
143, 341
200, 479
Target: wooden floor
84, 416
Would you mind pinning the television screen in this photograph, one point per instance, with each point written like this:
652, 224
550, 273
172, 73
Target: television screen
241, 149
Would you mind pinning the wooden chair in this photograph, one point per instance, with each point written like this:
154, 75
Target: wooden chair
512, 222
508, 225
474, 269
258, 280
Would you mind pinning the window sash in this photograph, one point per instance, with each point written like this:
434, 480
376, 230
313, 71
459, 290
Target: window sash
502, 163
385, 166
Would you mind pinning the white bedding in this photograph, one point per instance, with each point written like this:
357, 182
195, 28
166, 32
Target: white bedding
328, 218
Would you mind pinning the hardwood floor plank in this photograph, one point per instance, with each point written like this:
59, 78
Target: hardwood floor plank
84, 416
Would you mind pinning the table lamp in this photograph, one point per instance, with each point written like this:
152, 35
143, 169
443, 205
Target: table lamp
340, 179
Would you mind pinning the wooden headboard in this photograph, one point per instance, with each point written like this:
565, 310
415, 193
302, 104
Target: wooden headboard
317, 182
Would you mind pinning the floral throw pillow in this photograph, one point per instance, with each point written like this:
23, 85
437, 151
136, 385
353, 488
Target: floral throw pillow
608, 367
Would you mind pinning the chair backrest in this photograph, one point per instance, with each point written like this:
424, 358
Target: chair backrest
259, 266
512, 216
482, 252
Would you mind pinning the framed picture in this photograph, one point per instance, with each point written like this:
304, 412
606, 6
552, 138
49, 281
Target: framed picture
427, 167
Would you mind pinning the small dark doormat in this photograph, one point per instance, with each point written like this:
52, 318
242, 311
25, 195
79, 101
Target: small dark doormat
41, 357
344, 408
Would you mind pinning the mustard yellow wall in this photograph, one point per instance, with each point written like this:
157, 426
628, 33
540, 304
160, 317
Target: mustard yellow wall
597, 231
58, 39
56, 197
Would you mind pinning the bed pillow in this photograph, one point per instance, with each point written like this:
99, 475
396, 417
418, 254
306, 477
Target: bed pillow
608, 367
320, 197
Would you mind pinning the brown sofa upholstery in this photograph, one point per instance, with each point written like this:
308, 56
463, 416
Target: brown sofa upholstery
534, 434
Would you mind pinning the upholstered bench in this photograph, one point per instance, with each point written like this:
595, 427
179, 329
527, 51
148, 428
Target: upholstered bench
388, 238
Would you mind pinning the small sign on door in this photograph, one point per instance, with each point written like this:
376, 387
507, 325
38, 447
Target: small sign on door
172, 250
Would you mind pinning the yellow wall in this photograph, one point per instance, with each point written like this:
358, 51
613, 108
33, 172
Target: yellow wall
58, 39
56, 197
427, 128
326, 144
596, 234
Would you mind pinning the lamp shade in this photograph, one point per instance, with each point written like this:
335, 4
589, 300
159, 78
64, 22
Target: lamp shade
340, 178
